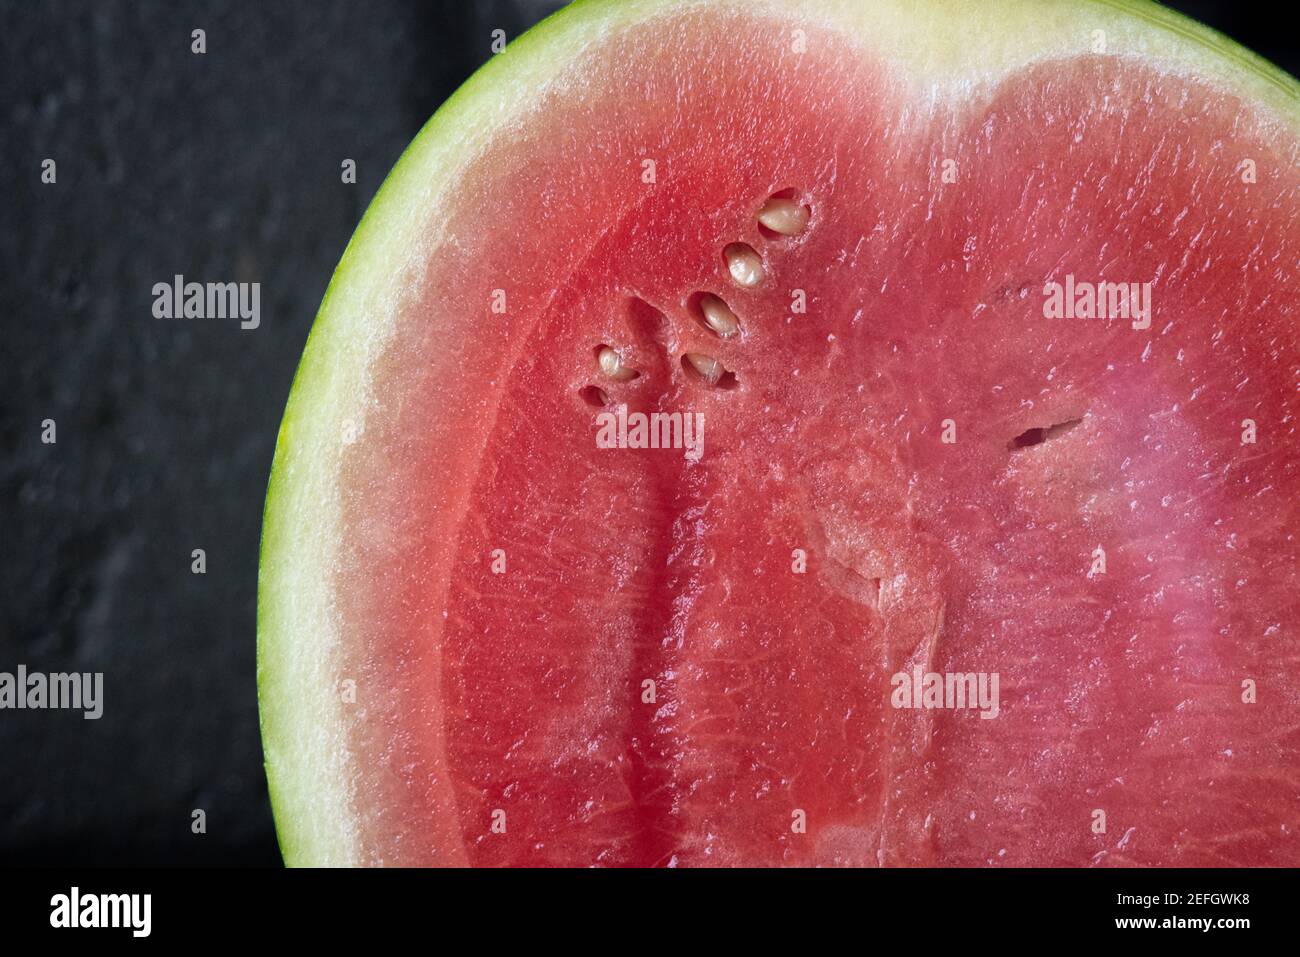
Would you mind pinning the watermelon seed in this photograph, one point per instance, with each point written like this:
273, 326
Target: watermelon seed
744, 264
718, 316
1037, 436
594, 397
611, 364
784, 216
708, 370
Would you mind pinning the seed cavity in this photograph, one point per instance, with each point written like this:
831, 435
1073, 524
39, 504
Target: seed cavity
708, 370
783, 216
744, 264
1037, 436
594, 397
611, 364
646, 321
717, 316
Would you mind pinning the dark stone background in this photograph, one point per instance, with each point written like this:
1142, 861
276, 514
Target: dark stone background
222, 166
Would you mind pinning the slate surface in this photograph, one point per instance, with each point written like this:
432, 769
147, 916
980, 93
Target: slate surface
218, 166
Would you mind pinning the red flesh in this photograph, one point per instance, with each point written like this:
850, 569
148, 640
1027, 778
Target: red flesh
1122, 692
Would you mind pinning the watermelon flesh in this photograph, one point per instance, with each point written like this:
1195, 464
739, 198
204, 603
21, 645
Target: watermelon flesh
503, 715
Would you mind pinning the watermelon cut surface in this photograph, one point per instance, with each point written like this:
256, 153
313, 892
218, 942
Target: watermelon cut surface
907, 467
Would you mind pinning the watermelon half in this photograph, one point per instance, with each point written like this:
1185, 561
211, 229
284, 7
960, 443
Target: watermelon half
853, 245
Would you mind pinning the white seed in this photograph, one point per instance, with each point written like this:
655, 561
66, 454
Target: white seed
744, 264
718, 316
709, 368
611, 363
783, 216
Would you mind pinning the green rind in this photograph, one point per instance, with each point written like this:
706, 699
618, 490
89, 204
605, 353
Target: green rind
306, 796
1220, 43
